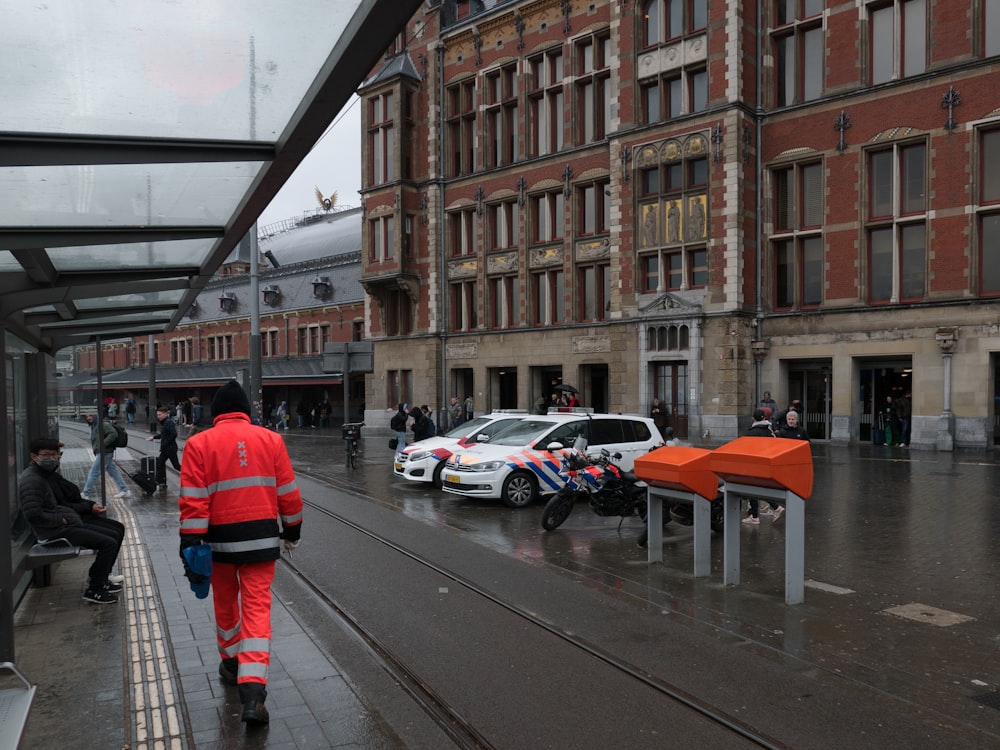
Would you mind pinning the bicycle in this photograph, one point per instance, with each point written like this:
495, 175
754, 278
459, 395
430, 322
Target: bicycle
351, 434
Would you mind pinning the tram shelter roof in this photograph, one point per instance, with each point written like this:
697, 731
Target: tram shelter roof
139, 142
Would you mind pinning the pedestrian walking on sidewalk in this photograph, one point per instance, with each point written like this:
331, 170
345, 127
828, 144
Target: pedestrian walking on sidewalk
168, 445
51, 519
110, 438
760, 427
238, 493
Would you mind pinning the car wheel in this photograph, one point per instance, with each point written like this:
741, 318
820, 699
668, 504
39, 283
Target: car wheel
519, 490
436, 474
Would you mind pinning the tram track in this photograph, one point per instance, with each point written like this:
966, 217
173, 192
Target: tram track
440, 709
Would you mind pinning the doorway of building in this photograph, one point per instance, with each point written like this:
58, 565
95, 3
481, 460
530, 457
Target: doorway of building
810, 383
545, 380
503, 388
877, 380
462, 383
594, 389
670, 385
996, 398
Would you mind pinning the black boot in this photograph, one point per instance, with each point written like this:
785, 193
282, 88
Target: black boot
228, 669
252, 696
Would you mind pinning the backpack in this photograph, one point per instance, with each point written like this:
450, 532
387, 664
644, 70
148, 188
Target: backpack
122, 439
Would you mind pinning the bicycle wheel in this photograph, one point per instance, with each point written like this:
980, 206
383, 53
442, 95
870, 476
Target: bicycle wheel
347, 454
352, 454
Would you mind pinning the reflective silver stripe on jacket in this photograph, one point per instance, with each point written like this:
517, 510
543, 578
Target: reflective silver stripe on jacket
292, 519
250, 545
286, 488
199, 524
242, 483
199, 492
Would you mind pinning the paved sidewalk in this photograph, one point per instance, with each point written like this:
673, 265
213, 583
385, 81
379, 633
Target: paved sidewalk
158, 644
902, 593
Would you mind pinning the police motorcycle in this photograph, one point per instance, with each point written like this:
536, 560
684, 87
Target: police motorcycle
608, 489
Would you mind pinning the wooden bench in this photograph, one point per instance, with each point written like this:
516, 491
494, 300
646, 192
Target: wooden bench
15, 703
41, 556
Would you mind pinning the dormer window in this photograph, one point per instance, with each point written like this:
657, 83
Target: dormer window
272, 295
322, 288
227, 302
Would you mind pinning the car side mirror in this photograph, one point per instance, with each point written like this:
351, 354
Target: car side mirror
554, 446
484, 438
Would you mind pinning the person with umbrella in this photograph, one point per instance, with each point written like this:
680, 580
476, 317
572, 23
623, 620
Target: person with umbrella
571, 394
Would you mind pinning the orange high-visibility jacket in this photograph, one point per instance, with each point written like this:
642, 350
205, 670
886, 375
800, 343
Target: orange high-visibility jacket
236, 482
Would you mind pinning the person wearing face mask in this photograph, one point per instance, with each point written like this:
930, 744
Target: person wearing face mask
50, 519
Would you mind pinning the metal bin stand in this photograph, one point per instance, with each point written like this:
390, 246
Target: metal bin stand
773, 469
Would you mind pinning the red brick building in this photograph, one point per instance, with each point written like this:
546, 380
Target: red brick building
693, 200
310, 296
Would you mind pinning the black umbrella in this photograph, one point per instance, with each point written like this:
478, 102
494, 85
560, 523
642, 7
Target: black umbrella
567, 388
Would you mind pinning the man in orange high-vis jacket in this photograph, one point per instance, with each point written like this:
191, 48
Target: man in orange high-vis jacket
237, 484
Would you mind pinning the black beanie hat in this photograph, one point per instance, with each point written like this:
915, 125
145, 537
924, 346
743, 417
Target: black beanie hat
229, 398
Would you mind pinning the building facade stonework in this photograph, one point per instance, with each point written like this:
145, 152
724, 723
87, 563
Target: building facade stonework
696, 201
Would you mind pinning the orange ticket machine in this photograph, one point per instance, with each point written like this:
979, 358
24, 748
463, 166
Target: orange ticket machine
679, 474
776, 470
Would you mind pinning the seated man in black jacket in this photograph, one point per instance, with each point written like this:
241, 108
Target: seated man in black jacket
53, 507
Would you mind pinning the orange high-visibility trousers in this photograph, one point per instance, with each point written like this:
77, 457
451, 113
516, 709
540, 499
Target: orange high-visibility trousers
242, 596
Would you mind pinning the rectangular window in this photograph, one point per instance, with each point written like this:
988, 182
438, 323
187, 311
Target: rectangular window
595, 292
989, 243
594, 209
912, 179
991, 27
545, 103
462, 231
698, 83
547, 293
593, 90
381, 139
504, 301
881, 184
650, 272
698, 260
989, 218
675, 95
880, 267
990, 166
502, 117
548, 217
799, 62
463, 306
269, 343
220, 348
461, 127
666, 20
397, 314
898, 39
812, 271
897, 223
797, 240
675, 270
382, 239
505, 219
784, 272
912, 261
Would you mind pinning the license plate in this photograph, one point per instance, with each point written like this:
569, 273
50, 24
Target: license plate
399, 466
453, 478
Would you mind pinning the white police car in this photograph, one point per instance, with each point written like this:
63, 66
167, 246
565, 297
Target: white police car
517, 466
423, 460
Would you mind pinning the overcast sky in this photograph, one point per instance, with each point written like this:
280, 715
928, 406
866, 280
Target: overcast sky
334, 164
